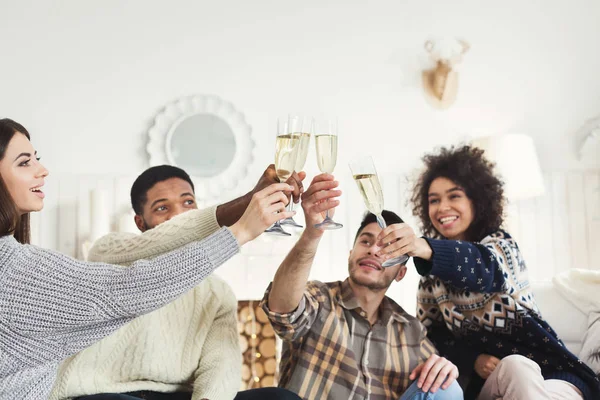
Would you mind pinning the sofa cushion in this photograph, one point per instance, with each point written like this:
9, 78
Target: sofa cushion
567, 320
590, 349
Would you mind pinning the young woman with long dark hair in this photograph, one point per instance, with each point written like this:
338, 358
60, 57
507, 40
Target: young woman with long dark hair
52, 306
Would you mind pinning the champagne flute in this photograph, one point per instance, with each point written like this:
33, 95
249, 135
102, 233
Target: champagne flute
286, 144
303, 127
326, 141
365, 176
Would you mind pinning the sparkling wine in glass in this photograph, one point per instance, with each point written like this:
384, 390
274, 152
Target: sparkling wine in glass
326, 142
286, 152
365, 176
303, 127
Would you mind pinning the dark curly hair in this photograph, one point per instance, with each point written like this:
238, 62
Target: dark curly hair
467, 167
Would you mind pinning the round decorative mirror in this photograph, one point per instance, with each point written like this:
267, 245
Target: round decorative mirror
186, 145
206, 137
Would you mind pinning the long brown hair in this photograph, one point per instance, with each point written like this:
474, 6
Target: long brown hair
11, 223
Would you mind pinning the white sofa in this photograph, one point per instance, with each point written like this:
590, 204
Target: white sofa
566, 319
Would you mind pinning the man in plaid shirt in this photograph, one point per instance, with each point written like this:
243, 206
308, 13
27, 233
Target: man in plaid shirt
347, 340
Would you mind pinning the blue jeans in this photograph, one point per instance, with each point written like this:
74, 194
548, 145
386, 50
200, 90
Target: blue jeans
454, 392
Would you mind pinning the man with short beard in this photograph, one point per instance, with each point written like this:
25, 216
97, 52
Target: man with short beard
348, 340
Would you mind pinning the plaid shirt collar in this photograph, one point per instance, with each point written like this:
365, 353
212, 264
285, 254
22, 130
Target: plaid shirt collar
389, 309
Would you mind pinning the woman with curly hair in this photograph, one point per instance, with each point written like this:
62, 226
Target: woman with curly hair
474, 295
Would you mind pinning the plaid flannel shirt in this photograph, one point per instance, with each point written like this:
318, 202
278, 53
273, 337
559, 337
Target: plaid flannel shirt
331, 351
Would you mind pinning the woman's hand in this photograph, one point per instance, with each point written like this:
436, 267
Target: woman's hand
266, 207
400, 239
485, 365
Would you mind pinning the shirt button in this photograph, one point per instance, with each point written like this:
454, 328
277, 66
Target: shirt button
366, 362
363, 314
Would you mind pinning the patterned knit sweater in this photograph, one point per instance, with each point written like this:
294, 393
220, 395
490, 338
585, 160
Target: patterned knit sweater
475, 299
52, 306
188, 345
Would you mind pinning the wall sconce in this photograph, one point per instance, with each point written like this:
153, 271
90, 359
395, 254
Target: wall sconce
441, 82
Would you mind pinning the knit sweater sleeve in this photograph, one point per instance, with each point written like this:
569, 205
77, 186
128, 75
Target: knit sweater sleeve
219, 370
478, 267
125, 248
60, 299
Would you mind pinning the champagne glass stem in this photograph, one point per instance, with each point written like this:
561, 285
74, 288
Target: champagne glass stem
290, 220
328, 223
381, 221
277, 229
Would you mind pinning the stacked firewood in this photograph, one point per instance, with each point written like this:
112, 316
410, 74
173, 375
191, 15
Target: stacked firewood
257, 342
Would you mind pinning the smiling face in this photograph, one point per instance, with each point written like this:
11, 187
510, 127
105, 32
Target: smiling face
365, 267
450, 210
165, 200
23, 174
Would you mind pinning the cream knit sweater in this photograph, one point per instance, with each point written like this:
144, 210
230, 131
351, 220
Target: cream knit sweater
188, 345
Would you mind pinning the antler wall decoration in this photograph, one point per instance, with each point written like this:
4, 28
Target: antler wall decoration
441, 81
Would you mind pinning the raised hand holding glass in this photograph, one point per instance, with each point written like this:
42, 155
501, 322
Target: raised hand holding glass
286, 144
326, 141
365, 176
303, 127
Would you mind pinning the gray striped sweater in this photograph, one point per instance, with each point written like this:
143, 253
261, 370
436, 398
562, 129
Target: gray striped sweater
52, 306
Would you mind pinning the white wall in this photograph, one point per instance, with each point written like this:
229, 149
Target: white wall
87, 77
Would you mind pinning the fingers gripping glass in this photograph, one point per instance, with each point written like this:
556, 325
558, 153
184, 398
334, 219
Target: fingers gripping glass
286, 144
303, 127
365, 176
326, 141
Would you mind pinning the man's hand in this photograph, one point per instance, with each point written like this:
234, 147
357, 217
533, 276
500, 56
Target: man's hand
229, 213
400, 239
270, 176
318, 198
266, 207
433, 373
485, 365
291, 277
